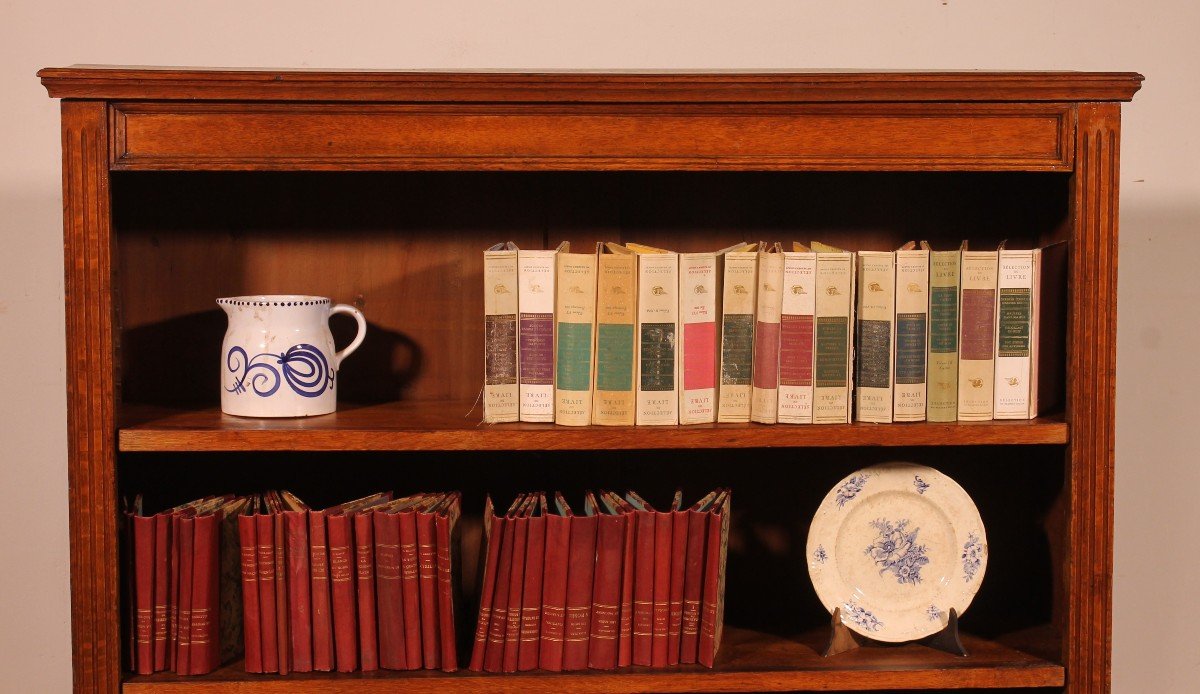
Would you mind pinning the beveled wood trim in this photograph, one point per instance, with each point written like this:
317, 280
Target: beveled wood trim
91, 445
906, 137
128, 82
1091, 392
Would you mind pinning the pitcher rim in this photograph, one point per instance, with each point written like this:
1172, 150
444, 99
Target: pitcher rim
275, 300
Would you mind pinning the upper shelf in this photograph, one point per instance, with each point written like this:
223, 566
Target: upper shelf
136, 82
451, 426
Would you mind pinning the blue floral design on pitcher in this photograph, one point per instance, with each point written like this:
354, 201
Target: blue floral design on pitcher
303, 367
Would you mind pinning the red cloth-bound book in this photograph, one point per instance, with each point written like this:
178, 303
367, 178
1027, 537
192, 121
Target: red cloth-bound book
430, 640
364, 582
554, 585
693, 580
679, 535
493, 533
606, 589
322, 622
712, 605
251, 633
173, 593
205, 629
283, 629
410, 588
531, 594
341, 587
162, 550
625, 636
662, 587
643, 583
580, 573
516, 586
143, 593
183, 659
299, 583
493, 657
392, 652
264, 527
445, 523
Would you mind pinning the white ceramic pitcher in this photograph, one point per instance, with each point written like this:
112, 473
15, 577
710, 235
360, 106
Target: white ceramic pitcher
278, 358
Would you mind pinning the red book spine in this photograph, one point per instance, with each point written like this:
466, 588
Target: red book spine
410, 588
531, 595
493, 657
392, 654
445, 591
173, 594
300, 590
662, 587
264, 527
248, 546
162, 545
625, 637
679, 536
643, 588
143, 593
516, 585
183, 659
709, 627
554, 592
364, 575
486, 593
580, 573
341, 580
693, 581
282, 622
205, 630
322, 624
431, 650
606, 593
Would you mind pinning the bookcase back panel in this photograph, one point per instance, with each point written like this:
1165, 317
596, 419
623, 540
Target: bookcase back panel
776, 492
406, 248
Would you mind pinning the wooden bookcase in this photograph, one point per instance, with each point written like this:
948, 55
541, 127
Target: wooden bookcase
382, 189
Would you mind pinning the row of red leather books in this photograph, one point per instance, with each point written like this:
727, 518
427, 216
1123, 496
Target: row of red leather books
182, 612
618, 584
367, 584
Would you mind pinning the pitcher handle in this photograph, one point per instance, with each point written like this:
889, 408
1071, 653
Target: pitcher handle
362, 332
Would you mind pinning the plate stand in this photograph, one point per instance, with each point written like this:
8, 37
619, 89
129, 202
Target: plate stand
842, 639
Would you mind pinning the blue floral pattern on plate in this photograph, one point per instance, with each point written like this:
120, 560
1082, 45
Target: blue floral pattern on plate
972, 557
861, 617
896, 550
934, 613
920, 484
819, 554
850, 489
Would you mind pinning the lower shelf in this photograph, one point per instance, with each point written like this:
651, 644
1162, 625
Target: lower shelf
749, 661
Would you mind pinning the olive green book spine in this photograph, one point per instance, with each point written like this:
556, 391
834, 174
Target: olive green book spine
614, 401
943, 336
575, 311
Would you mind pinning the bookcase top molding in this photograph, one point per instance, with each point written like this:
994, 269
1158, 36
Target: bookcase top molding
824, 86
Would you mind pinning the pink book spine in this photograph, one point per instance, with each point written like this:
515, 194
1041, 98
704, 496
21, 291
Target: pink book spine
699, 355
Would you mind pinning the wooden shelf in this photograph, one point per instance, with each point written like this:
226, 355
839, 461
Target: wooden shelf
451, 426
749, 661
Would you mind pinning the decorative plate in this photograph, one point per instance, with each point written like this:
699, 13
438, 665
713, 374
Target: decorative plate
895, 546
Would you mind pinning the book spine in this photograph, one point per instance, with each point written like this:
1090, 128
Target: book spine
693, 584
606, 593
322, 637
658, 330
143, 562
712, 604
430, 638
625, 635
876, 336
661, 612
264, 527
283, 627
487, 590
531, 595
448, 654
341, 580
300, 590
833, 349
738, 302
643, 588
516, 587
392, 651
976, 337
1014, 334
614, 401
173, 594
912, 335
535, 334
554, 593
183, 656
205, 629
493, 659
699, 310
764, 395
410, 588
797, 311
580, 573
574, 341
943, 336
364, 582
500, 390
162, 550
679, 531
248, 546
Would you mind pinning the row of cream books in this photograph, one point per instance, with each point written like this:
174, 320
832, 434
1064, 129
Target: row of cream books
631, 334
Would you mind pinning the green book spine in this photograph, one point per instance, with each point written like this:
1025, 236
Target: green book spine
614, 357
943, 336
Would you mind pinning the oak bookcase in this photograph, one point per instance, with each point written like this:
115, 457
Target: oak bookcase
382, 189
